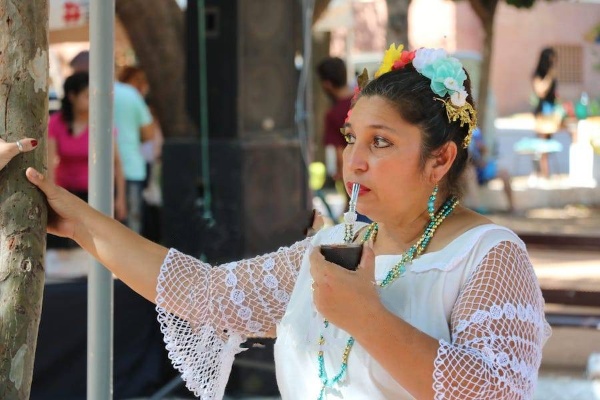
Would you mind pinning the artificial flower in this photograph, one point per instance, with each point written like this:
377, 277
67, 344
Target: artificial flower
356, 94
424, 57
447, 77
405, 58
451, 84
442, 69
459, 98
390, 55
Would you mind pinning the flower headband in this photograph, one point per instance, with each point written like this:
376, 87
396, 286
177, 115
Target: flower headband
447, 80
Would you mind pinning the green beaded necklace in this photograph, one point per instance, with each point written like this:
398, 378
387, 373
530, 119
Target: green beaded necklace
397, 271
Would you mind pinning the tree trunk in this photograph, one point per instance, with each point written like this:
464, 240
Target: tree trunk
319, 9
23, 112
155, 28
484, 79
486, 11
397, 29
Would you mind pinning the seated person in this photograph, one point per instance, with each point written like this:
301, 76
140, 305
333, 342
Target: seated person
486, 168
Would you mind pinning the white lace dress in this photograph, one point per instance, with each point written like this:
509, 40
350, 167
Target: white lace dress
478, 296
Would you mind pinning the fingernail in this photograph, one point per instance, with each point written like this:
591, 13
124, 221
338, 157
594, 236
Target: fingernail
34, 142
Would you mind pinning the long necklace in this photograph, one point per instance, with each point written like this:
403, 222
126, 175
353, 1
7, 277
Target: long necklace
397, 271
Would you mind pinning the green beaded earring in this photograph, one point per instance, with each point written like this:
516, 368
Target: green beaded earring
431, 203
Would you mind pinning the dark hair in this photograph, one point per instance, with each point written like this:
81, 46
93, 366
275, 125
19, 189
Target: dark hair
81, 62
410, 94
74, 84
545, 62
128, 72
333, 69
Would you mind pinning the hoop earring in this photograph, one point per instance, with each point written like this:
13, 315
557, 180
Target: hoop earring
431, 202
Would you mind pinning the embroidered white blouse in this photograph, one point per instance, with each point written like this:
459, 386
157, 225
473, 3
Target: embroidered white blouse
478, 296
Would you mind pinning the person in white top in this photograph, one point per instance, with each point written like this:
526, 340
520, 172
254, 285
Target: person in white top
444, 304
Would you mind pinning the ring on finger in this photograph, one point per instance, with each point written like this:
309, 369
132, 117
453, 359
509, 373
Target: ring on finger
19, 146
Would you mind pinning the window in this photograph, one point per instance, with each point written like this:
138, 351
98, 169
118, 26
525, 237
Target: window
570, 63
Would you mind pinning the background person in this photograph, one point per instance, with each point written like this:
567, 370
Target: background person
333, 77
134, 126
68, 148
486, 168
151, 150
449, 303
544, 86
133, 121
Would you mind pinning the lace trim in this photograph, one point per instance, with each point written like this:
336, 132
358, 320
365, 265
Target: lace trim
194, 352
206, 313
493, 369
203, 360
504, 373
509, 311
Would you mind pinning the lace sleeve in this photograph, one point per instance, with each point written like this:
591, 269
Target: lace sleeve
206, 312
498, 330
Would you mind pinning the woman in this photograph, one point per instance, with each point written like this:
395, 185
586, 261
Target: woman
544, 86
68, 144
544, 82
444, 303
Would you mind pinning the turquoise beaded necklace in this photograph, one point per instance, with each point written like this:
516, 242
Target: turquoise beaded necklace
397, 271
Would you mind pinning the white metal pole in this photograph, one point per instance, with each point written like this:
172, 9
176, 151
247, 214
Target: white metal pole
101, 190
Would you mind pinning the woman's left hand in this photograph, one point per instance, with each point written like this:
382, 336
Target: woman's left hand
345, 298
9, 150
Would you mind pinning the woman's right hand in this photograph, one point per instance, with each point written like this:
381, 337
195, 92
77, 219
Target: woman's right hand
65, 207
134, 259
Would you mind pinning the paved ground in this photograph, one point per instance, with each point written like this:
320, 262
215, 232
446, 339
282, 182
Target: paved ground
560, 385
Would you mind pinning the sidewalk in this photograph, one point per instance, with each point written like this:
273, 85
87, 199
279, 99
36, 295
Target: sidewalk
560, 385
566, 219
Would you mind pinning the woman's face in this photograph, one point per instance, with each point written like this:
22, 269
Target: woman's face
383, 155
80, 101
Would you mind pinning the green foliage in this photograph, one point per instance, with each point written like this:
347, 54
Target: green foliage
520, 3
515, 3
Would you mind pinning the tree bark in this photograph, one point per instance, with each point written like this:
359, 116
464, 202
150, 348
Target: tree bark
23, 112
484, 79
397, 30
319, 9
486, 11
155, 28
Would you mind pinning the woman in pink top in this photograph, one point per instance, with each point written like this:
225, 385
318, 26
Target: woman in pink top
68, 138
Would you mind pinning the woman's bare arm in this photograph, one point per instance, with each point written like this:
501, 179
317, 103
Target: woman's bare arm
134, 259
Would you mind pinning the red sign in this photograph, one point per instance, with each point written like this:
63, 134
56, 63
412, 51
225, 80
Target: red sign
71, 12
